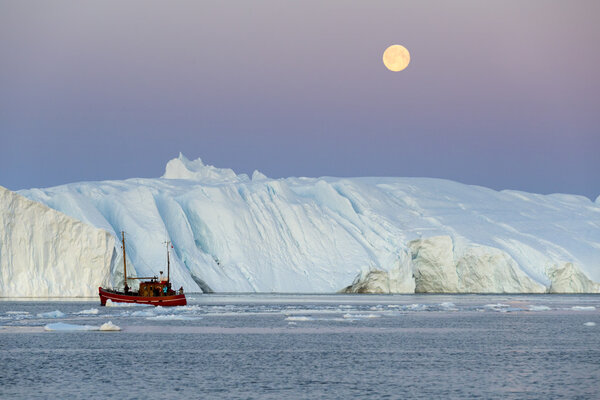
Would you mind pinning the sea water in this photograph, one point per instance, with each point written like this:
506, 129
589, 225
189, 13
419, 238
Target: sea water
305, 346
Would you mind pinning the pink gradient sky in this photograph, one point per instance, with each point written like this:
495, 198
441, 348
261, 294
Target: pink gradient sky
504, 94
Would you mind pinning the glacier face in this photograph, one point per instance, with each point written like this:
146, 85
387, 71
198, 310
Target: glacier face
44, 253
232, 233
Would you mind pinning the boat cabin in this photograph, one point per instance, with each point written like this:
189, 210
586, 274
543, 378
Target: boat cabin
155, 289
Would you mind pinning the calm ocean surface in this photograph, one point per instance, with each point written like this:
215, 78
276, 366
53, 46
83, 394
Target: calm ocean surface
306, 346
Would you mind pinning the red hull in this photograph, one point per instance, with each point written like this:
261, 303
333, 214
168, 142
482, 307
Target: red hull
165, 301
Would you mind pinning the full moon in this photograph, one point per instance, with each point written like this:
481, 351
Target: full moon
396, 58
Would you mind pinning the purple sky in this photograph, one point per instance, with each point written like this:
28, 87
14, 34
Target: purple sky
503, 94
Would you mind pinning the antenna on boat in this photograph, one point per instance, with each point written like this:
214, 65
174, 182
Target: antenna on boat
124, 258
168, 262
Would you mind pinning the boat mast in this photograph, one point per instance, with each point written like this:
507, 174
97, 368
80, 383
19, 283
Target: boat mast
124, 258
168, 263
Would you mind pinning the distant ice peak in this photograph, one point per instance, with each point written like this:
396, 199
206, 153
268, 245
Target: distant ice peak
259, 176
182, 168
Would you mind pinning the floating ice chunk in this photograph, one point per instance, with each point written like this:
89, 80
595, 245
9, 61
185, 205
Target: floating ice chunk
590, 324
500, 307
149, 313
163, 310
497, 305
186, 308
61, 326
110, 303
361, 315
298, 319
91, 311
16, 315
109, 326
583, 308
416, 307
52, 314
448, 306
539, 308
172, 317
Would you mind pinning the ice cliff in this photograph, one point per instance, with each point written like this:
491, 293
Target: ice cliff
389, 235
46, 253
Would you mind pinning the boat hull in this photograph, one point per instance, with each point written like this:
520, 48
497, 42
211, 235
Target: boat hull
164, 301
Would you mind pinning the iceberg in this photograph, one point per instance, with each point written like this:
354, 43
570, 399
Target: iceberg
232, 233
46, 253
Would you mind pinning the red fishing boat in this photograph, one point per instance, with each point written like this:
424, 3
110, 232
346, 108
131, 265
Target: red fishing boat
156, 291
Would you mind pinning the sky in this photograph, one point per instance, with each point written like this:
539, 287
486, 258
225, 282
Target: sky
503, 94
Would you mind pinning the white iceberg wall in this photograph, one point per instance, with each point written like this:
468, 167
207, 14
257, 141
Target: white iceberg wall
44, 252
434, 266
263, 239
397, 280
231, 233
484, 269
568, 278
439, 267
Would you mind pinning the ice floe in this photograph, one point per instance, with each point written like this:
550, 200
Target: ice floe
64, 327
356, 316
415, 307
110, 303
299, 318
148, 313
109, 326
448, 306
52, 314
500, 307
91, 311
172, 317
539, 308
